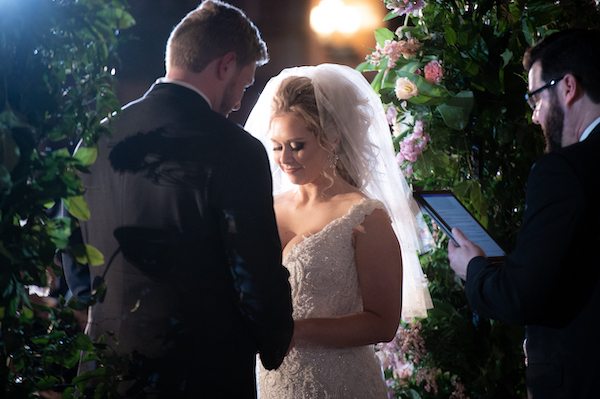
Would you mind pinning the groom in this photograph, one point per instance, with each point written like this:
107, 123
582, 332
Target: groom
181, 207
551, 282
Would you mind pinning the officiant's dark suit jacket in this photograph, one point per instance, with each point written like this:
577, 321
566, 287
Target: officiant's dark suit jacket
551, 282
182, 210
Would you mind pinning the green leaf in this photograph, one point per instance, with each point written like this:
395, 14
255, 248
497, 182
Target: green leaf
456, 111
461, 190
390, 15
59, 232
365, 66
87, 255
471, 68
98, 293
68, 393
507, 55
8, 119
76, 304
528, 31
5, 180
28, 313
450, 36
90, 356
383, 34
10, 152
479, 202
100, 391
13, 306
376, 83
439, 158
49, 204
46, 383
423, 167
77, 207
83, 342
86, 155
41, 340
411, 67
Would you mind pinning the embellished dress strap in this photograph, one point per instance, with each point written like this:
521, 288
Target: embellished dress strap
362, 209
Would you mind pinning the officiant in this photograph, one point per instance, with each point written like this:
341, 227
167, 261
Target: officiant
551, 282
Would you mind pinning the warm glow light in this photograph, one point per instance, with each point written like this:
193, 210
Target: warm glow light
333, 15
349, 21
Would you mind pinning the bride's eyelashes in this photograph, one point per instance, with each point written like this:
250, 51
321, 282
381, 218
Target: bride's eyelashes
293, 146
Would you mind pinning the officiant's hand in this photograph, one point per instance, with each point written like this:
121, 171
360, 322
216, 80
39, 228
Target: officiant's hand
461, 256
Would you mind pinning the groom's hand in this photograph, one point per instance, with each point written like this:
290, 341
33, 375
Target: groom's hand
461, 256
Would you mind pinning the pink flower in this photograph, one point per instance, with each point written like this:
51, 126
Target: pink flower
428, 375
411, 147
403, 372
410, 47
459, 390
434, 72
402, 7
418, 129
399, 159
391, 114
384, 358
393, 50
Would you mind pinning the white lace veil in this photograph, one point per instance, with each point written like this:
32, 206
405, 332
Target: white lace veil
346, 104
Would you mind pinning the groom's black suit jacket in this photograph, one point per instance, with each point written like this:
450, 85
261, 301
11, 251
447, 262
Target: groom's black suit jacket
551, 282
181, 208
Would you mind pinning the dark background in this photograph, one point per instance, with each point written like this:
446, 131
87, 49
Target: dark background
284, 26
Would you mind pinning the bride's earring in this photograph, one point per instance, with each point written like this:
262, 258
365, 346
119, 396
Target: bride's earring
333, 161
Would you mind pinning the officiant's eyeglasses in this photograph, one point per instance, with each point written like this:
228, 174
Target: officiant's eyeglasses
532, 97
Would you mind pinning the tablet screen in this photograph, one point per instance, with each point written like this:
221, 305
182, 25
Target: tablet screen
448, 212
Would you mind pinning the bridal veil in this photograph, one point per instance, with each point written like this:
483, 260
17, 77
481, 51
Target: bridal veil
367, 152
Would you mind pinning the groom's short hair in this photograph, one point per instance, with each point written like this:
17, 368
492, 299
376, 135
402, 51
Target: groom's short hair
210, 31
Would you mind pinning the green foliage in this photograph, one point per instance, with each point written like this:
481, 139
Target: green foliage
468, 131
484, 354
56, 84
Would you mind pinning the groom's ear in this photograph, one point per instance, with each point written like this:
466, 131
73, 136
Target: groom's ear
227, 66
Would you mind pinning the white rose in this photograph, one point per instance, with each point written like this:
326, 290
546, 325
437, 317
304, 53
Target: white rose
405, 88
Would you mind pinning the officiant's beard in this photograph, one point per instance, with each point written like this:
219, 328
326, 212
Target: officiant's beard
554, 125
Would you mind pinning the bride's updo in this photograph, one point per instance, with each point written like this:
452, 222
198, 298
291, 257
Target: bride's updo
296, 95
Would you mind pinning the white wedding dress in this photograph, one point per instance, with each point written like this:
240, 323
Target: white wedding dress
324, 283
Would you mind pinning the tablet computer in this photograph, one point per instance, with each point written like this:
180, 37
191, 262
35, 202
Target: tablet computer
448, 212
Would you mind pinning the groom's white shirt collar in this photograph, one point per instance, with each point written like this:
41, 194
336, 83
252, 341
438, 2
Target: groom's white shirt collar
184, 84
589, 129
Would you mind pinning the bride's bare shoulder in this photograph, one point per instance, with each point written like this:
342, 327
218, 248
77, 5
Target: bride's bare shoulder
350, 198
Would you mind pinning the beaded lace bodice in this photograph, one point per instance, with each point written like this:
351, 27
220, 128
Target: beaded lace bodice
325, 284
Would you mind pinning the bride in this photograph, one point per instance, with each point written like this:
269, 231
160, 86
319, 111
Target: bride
346, 228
